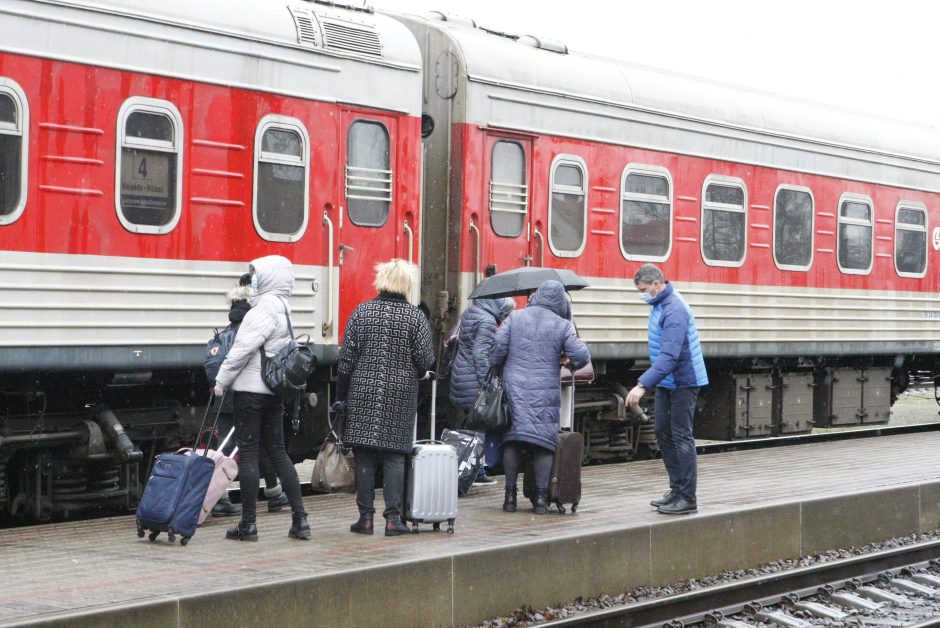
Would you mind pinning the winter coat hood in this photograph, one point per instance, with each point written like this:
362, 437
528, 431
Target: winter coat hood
551, 295
497, 308
474, 344
275, 275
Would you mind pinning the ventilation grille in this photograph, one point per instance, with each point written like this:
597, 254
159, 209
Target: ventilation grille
308, 31
349, 37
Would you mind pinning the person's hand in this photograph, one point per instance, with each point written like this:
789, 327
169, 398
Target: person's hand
218, 391
635, 394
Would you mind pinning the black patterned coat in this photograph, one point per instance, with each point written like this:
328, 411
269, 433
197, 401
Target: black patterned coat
386, 348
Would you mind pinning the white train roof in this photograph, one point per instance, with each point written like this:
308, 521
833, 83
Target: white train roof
297, 47
578, 78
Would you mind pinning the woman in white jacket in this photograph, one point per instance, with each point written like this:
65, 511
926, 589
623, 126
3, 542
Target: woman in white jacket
259, 413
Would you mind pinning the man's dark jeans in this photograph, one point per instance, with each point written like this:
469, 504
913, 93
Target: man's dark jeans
393, 480
260, 419
674, 411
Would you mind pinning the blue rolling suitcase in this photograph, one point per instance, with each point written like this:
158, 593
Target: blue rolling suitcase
173, 497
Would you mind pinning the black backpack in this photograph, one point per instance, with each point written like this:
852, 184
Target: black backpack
286, 373
216, 350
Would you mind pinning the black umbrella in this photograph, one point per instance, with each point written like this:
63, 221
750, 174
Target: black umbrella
525, 280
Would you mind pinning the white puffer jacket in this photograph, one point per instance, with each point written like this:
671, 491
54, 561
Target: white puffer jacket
265, 325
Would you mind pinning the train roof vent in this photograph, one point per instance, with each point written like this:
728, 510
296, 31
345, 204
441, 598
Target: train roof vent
308, 30
350, 36
453, 19
545, 44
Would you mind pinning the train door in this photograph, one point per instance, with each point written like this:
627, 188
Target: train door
369, 219
504, 228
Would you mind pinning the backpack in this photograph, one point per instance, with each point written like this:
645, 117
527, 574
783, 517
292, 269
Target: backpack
449, 354
286, 372
216, 350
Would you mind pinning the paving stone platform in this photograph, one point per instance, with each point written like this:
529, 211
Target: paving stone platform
754, 507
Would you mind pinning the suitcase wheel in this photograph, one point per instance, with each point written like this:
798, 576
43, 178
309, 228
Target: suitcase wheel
171, 537
437, 526
184, 540
574, 507
561, 509
414, 528
153, 536
450, 526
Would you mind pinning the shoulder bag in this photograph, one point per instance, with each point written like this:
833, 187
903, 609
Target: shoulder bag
286, 372
335, 468
490, 411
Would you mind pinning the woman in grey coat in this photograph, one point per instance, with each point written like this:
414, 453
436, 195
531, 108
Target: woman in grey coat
528, 348
386, 350
258, 412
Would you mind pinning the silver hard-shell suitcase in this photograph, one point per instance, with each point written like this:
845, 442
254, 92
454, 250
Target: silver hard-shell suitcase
431, 479
431, 485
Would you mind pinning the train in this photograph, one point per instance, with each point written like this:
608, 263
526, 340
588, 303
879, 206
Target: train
149, 151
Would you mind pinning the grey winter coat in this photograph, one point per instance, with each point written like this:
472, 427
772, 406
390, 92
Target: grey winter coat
474, 343
528, 347
265, 325
386, 348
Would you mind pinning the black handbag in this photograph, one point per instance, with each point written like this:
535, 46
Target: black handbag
286, 372
490, 411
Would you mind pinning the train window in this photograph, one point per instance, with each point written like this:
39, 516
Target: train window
793, 228
368, 174
150, 159
509, 194
281, 191
855, 241
14, 128
724, 221
567, 215
645, 213
910, 240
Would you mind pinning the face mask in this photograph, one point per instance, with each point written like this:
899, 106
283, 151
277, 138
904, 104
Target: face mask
254, 282
647, 298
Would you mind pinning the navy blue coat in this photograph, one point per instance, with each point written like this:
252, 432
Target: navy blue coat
528, 347
474, 343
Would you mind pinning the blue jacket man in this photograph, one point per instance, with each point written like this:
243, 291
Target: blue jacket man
677, 372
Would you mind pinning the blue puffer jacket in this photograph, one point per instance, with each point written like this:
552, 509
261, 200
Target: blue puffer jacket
528, 347
474, 343
675, 353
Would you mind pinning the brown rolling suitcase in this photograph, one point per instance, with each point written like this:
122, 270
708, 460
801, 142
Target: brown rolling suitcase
565, 485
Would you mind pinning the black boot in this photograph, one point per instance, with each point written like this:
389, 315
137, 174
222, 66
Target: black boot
225, 508
509, 503
299, 529
244, 531
541, 502
394, 526
364, 525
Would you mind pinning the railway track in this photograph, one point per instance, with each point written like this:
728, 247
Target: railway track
896, 587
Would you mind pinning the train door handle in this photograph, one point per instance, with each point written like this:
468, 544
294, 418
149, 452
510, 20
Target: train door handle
342, 249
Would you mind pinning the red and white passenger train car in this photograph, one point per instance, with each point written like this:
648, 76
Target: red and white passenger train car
149, 151
805, 237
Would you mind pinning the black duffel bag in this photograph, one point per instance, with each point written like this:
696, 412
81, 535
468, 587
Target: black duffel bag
286, 372
490, 411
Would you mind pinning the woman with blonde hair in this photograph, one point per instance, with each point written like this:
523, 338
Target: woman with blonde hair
386, 350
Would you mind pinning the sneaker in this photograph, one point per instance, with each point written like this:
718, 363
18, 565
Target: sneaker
484, 479
277, 502
225, 508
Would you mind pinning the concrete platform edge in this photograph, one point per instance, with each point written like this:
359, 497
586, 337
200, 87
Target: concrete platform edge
469, 587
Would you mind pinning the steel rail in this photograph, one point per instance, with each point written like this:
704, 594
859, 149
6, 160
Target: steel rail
730, 598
